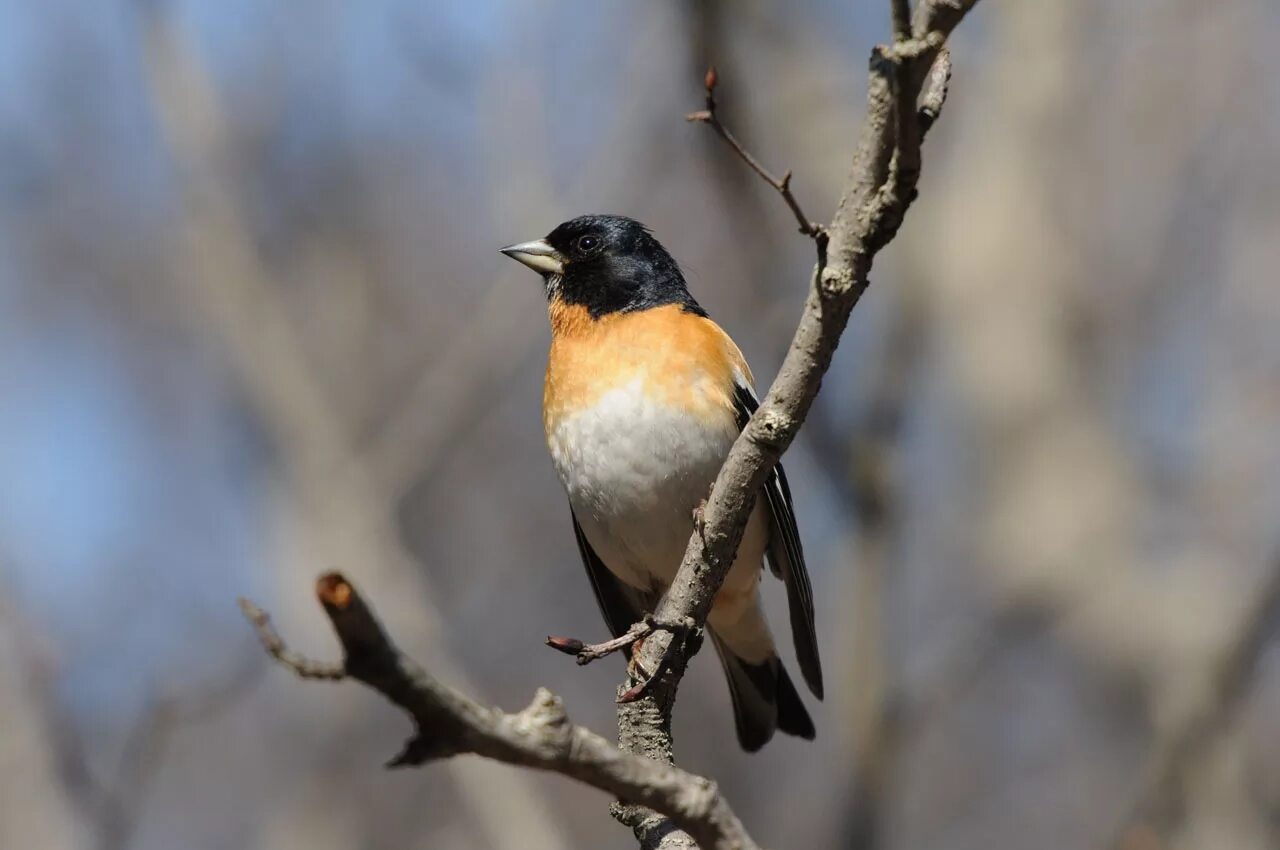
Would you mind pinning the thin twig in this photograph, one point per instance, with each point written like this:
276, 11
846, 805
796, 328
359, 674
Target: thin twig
868, 216
782, 185
275, 646
585, 653
540, 736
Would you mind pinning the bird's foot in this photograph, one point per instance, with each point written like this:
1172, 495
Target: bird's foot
644, 680
634, 669
700, 519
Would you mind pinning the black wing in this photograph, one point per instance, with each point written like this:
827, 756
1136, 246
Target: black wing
621, 605
786, 556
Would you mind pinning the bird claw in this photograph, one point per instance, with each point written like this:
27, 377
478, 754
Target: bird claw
644, 679
700, 518
636, 691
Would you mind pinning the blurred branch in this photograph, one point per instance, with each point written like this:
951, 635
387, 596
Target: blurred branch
111, 808
148, 741
896, 715
889, 714
540, 736
345, 509
428, 420
1160, 802
872, 484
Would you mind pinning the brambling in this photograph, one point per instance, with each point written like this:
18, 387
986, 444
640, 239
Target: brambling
644, 395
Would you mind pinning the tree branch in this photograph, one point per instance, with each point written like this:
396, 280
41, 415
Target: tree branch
447, 723
878, 190
782, 185
667, 807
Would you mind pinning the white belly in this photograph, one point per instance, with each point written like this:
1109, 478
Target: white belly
635, 470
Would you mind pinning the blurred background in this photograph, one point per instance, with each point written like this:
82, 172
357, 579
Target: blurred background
254, 325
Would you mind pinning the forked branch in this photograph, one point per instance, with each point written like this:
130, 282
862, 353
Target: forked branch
448, 723
906, 90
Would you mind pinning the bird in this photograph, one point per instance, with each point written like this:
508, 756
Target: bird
643, 397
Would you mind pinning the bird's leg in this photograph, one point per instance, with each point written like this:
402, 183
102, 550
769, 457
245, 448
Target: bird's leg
634, 670
679, 633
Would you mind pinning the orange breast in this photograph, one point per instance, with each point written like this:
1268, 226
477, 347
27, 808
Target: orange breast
682, 359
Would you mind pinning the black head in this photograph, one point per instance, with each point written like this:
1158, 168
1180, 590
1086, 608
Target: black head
607, 264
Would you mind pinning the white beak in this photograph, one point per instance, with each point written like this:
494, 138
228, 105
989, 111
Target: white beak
537, 255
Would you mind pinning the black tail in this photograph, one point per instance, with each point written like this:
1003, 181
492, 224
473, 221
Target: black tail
763, 699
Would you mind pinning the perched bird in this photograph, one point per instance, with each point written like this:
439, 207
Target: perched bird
644, 395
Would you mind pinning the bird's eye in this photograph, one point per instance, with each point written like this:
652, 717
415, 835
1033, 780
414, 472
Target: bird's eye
587, 244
